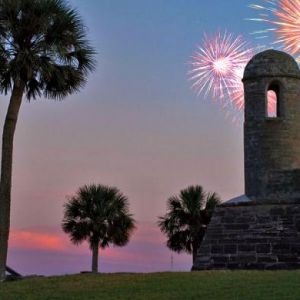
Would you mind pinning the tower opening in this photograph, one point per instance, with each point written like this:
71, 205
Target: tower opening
273, 101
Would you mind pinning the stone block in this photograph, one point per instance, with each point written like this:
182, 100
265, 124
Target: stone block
277, 211
233, 266
230, 249
236, 226
263, 248
295, 248
287, 257
222, 259
247, 258
267, 259
281, 248
217, 249
297, 225
246, 248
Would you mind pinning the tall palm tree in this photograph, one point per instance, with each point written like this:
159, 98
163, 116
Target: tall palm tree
187, 218
43, 51
100, 215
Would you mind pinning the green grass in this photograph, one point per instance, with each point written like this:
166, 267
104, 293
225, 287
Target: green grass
219, 285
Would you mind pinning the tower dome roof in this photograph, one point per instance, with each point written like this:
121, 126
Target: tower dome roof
271, 63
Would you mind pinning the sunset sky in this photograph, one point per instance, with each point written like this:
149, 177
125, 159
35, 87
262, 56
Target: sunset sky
136, 125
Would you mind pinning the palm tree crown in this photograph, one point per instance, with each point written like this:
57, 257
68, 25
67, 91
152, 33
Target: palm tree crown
43, 45
187, 218
100, 215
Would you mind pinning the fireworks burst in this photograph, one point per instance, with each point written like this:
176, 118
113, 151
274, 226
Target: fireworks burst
283, 17
217, 68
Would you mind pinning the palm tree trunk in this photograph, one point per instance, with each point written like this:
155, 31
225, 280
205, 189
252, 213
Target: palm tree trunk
194, 256
6, 170
95, 250
195, 251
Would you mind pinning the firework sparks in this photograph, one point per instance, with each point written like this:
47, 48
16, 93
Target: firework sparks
284, 18
217, 68
236, 91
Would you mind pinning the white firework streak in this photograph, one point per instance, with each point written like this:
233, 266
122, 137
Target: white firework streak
214, 64
217, 68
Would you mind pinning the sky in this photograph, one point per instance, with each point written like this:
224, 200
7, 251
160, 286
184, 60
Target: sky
136, 125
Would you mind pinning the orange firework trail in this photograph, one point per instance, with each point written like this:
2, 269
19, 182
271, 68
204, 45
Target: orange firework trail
284, 17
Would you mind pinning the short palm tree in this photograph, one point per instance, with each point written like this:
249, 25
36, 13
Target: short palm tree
100, 215
43, 51
187, 218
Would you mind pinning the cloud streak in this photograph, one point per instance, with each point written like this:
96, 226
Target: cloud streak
49, 252
31, 239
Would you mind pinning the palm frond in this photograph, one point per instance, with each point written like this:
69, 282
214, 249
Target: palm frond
187, 217
44, 44
212, 200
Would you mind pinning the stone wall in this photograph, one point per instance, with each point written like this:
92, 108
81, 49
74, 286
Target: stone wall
252, 237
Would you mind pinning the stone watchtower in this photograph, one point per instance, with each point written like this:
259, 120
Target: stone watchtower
261, 229
272, 142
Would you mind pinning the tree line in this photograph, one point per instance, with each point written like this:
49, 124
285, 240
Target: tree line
100, 215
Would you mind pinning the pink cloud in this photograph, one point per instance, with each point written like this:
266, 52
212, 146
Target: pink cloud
146, 252
31, 239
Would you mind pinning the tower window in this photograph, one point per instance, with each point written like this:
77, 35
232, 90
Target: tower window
272, 104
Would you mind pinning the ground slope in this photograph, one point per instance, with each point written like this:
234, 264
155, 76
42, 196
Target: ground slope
223, 285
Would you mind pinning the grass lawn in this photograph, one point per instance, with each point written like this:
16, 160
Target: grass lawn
207, 285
